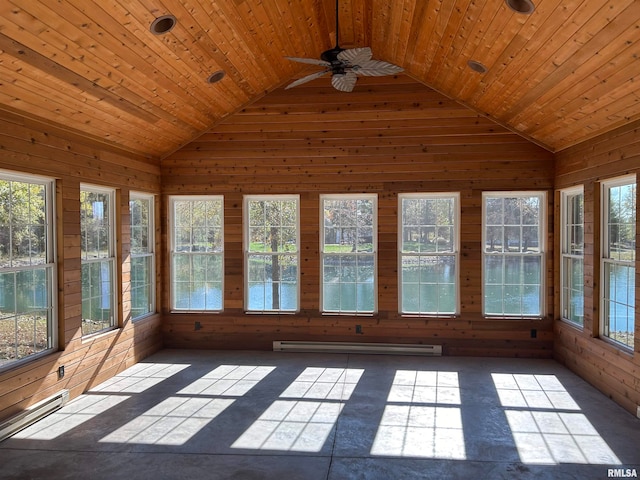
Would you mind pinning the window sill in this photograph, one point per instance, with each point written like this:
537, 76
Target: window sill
99, 335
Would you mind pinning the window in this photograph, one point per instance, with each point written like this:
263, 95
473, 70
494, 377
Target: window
27, 318
348, 246
272, 253
141, 208
513, 253
98, 258
428, 246
572, 261
618, 260
197, 253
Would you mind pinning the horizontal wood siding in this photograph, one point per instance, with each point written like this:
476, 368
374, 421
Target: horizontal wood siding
614, 371
29, 147
392, 135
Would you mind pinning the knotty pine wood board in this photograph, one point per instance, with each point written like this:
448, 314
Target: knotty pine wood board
547, 66
621, 391
549, 31
57, 163
196, 49
587, 47
502, 68
79, 110
63, 31
229, 40
59, 138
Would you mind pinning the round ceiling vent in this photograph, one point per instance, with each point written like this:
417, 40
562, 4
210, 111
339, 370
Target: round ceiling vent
163, 24
215, 77
476, 66
521, 6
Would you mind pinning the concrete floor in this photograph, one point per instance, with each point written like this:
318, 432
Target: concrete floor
265, 415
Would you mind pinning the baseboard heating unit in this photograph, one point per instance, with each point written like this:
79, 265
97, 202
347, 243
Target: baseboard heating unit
356, 347
32, 414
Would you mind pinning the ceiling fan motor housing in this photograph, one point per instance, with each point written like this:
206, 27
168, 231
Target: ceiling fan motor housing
331, 56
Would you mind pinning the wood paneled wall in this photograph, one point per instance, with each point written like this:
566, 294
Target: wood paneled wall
391, 135
612, 370
30, 147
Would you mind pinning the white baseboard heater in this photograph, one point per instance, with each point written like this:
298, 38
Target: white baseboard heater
357, 347
33, 413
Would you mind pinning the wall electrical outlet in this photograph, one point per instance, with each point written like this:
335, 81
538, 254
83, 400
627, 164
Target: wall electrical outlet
60, 372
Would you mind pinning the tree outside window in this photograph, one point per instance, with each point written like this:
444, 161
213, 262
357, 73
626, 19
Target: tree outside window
513, 266
618, 260
348, 249
428, 253
197, 253
98, 259
27, 317
272, 253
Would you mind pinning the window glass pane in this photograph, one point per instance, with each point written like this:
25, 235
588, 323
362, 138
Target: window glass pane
95, 222
513, 260
98, 259
618, 273
141, 281
572, 238
348, 254
197, 266
97, 296
142, 259
272, 229
27, 325
428, 240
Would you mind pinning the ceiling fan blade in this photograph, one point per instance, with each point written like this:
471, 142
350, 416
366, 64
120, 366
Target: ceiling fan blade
377, 68
355, 56
308, 78
345, 82
312, 61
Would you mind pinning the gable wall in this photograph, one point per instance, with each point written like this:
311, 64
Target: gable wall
391, 135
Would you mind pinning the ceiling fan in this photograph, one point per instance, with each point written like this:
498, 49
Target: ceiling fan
345, 65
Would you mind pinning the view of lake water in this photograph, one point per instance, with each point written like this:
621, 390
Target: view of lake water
260, 299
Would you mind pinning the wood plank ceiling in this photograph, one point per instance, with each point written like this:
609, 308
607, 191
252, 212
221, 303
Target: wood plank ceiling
563, 74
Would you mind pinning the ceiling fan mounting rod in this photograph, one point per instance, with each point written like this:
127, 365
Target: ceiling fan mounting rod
337, 25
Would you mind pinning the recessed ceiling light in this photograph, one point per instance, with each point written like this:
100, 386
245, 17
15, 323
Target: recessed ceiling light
162, 24
215, 77
521, 6
476, 66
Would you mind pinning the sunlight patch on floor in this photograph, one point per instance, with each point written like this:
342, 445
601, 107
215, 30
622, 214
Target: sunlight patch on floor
81, 410
173, 421
546, 423
228, 380
139, 377
419, 419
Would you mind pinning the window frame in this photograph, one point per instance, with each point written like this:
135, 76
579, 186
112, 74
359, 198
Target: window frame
110, 260
567, 228
455, 253
373, 254
542, 236
605, 261
149, 254
172, 250
50, 265
247, 199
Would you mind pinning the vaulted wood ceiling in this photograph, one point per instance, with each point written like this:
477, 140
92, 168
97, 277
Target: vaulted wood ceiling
565, 73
